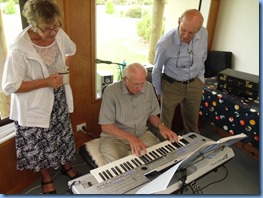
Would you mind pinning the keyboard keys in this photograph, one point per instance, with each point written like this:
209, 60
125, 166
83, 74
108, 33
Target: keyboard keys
126, 165
154, 153
138, 161
132, 167
131, 164
115, 171
105, 175
102, 177
119, 170
135, 163
177, 145
154, 156
109, 173
184, 141
123, 167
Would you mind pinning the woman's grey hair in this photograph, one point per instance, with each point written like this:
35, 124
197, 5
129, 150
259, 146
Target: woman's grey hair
45, 11
134, 66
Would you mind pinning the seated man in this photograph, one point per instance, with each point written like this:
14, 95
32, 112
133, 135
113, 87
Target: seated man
126, 107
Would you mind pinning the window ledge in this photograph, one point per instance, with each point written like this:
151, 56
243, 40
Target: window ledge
7, 132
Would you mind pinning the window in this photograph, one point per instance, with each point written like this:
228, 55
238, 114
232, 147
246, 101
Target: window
7, 132
12, 25
122, 37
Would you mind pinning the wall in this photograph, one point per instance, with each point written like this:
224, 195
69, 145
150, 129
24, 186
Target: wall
80, 25
237, 30
13, 181
174, 9
209, 10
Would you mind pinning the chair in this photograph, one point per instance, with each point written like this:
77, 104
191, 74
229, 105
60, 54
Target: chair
217, 61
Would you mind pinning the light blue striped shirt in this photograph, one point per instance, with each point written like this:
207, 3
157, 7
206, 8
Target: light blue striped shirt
128, 112
172, 55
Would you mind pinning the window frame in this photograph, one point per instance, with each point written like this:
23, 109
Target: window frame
5, 122
7, 125
95, 86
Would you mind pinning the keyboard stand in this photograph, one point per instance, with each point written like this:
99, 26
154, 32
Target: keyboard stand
183, 180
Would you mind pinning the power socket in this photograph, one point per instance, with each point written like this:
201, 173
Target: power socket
80, 126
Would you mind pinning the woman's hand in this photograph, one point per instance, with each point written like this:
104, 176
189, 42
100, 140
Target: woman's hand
55, 81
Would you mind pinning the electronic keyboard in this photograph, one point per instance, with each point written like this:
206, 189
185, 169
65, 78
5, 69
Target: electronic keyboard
129, 173
157, 158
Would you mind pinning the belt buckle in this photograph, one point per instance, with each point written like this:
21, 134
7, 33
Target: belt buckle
187, 81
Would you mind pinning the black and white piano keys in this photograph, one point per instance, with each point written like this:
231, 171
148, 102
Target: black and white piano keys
127, 175
130, 162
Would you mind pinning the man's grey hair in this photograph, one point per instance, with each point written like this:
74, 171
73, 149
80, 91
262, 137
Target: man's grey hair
133, 66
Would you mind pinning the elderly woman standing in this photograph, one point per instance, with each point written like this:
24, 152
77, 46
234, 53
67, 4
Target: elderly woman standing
40, 102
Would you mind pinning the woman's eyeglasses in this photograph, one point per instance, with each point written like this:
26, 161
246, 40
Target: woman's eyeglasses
186, 60
49, 30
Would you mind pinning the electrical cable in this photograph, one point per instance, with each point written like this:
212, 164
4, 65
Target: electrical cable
84, 130
196, 189
32, 189
217, 180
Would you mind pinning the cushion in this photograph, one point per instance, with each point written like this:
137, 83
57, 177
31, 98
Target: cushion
91, 153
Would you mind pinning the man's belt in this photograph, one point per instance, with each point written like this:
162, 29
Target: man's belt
171, 80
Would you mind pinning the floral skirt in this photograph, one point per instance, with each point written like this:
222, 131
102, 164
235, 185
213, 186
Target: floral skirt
41, 148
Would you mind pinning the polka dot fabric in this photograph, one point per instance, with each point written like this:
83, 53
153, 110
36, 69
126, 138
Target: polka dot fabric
233, 114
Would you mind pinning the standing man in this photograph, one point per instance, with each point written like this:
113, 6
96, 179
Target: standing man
178, 73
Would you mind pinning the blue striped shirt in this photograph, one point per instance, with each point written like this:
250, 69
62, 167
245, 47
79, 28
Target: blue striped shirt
172, 55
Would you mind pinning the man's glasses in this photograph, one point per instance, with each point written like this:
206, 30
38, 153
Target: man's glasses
49, 30
186, 60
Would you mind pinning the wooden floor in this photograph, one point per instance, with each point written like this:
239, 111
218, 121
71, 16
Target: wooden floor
242, 174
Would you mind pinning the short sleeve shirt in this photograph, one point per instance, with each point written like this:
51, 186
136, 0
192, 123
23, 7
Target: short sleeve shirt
127, 111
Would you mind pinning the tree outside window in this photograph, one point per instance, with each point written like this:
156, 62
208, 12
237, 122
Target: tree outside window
122, 35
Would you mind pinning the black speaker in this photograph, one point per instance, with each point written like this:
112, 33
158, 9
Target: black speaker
149, 68
217, 61
104, 78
